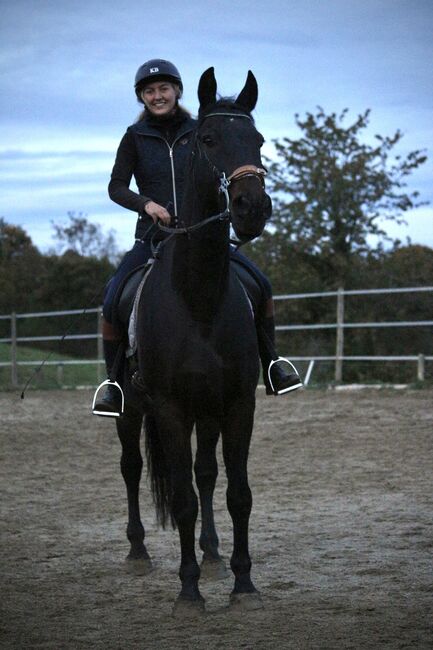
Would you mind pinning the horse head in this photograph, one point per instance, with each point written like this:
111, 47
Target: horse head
230, 142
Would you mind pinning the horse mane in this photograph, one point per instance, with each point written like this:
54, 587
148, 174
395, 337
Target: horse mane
224, 104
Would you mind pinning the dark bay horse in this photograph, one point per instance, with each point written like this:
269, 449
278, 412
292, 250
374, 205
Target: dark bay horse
197, 349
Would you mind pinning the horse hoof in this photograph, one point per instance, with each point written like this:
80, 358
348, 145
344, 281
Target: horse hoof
184, 608
138, 566
246, 602
213, 570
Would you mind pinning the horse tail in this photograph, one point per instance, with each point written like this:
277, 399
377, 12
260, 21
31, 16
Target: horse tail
159, 473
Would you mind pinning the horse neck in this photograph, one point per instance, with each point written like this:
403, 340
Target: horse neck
201, 261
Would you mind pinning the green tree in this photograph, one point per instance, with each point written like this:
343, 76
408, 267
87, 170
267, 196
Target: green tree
20, 268
14, 242
331, 191
85, 238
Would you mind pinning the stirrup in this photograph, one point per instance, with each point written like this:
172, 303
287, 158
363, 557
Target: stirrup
113, 414
289, 388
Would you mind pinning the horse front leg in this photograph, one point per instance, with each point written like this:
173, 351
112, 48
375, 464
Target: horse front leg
206, 471
131, 464
236, 435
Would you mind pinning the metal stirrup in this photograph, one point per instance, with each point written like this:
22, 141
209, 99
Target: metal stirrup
285, 390
109, 382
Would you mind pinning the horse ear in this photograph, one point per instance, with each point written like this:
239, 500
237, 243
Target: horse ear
247, 98
207, 88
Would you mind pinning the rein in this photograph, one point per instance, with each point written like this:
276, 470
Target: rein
221, 216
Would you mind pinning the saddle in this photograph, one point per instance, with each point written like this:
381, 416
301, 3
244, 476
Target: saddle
126, 301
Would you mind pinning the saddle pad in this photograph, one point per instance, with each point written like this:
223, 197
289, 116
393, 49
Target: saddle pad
132, 325
249, 282
123, 303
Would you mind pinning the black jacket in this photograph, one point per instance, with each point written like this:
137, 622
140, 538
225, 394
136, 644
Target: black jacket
156, 153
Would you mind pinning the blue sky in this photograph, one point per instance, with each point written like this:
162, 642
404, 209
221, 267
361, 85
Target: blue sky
66, 86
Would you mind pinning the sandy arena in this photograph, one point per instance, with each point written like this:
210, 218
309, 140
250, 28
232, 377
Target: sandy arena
341, 532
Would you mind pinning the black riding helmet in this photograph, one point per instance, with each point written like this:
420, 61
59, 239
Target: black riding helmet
156, 70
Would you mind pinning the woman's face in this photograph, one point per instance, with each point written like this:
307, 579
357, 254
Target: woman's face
160, 97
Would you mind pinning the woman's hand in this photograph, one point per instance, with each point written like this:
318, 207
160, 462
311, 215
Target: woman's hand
157, 212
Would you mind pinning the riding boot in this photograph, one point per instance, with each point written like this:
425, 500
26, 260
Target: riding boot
283, 374
110, 399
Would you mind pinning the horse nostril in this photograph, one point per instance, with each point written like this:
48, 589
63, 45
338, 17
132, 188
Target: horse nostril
242, 204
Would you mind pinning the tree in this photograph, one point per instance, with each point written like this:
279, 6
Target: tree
14, 242
85, 238
331, 191
20, 267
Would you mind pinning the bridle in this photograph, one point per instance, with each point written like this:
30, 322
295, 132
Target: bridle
224, 184
245, 170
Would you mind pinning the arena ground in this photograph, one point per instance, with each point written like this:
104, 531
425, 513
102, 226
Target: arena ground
341, 530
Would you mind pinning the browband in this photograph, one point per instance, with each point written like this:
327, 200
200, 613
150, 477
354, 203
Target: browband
227, 115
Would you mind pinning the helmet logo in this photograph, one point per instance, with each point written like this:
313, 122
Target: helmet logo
154, 69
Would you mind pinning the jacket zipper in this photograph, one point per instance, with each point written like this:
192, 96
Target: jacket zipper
173, 176
173, 179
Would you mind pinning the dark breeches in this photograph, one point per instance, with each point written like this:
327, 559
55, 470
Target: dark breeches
141, 252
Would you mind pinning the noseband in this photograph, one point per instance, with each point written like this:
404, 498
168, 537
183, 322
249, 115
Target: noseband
248, 170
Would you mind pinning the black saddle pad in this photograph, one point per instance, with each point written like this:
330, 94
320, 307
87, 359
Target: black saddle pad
251, 285
124, 299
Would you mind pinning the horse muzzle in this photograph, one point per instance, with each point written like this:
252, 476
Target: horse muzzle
250, 206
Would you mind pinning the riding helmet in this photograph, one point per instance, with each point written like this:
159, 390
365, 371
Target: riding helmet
156, 70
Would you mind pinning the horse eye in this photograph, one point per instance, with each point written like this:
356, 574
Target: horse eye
206, 139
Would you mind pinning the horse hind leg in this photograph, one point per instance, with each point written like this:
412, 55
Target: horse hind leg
168, 440
129, 426
206, 471
236, 434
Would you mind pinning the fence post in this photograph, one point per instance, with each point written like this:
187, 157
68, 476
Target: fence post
60, 374
421, 367
339, 348
14, 369
99, 345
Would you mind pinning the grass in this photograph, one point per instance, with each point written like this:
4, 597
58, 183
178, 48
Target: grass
51, 375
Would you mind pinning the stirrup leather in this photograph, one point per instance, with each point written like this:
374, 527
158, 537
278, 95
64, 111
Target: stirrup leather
285, 390
109, 382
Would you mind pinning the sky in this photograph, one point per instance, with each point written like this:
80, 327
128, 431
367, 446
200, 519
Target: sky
66, 87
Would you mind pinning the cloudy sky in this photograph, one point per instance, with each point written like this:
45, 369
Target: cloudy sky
66, 86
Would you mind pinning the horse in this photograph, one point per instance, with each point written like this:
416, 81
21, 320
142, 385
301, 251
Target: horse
198, 352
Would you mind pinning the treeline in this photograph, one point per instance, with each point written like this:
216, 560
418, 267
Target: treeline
31, 281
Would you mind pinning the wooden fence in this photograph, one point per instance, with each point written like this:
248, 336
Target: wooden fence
338, 358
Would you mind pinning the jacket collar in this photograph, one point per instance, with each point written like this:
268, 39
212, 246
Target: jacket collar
144, 128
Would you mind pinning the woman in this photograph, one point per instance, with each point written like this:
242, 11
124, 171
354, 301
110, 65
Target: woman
155, 150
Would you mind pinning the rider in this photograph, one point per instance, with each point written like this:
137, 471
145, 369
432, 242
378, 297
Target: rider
155, 150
